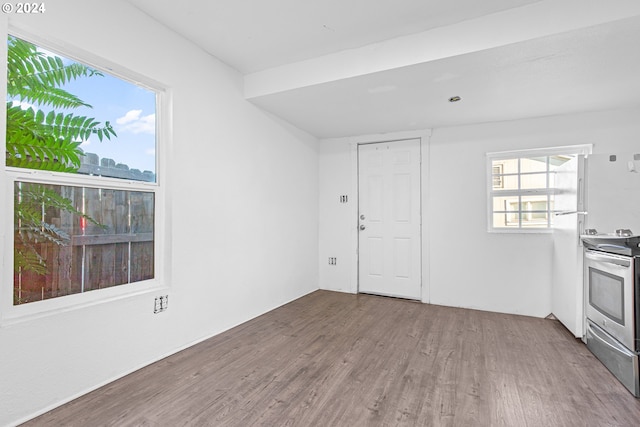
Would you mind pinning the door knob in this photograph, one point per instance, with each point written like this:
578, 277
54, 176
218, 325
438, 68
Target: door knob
362, 227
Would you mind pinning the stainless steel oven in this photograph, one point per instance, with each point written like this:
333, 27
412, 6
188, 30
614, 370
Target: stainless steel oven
612, 308
610, 295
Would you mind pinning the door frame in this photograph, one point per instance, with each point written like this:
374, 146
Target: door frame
424, 136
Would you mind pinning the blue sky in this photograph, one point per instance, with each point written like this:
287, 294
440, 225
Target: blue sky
130, 109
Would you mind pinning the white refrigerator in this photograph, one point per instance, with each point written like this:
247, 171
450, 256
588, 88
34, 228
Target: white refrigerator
601, 192
613, 192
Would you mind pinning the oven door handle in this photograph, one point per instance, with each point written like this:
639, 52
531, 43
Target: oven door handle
619, 262
605, 246
609, 342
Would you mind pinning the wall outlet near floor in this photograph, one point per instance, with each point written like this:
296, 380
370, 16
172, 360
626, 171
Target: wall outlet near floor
160, 304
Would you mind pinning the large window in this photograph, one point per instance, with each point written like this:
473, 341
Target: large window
523, 187
81, 154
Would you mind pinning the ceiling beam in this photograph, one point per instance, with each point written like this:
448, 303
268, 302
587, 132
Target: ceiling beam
540, 19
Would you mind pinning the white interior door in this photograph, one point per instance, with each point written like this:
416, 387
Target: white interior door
389, 219
567, 275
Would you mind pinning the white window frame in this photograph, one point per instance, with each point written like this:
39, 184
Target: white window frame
583, 149
10, 313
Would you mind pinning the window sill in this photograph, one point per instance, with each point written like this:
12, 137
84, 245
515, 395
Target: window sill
521, 231
13, 314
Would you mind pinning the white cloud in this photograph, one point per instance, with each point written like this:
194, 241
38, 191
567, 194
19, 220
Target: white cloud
23, 105
133, 121
131, 116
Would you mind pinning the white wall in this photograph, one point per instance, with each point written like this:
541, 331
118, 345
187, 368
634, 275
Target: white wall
467, 266
337, 220
243, 217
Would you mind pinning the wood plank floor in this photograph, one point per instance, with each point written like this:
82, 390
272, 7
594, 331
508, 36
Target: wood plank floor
333, 359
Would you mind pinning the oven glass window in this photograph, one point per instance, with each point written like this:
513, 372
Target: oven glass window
606, 294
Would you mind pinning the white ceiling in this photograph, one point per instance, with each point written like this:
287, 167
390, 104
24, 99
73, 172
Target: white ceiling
588, 66
253, 35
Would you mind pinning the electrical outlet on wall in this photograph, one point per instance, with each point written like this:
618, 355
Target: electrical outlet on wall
333, 260
160, 304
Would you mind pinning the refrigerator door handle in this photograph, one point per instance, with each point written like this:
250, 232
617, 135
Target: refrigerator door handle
560, 213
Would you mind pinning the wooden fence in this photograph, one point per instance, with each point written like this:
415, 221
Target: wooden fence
117, 249
93, 165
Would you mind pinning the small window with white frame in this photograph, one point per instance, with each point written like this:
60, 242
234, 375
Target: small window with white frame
522, 187
81, 149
